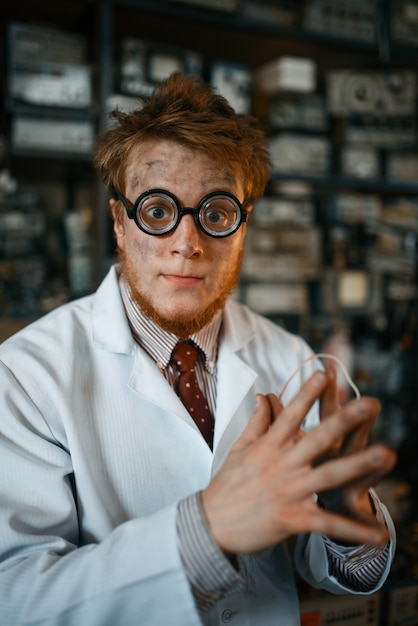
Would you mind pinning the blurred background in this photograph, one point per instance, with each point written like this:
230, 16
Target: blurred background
332, 247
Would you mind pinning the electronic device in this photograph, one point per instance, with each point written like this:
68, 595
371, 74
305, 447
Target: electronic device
280, 267
233, 82
29, 132
267, 239
369, 92
382, 131
353, 291
359, 162
297, 154
402, 166
286, 74
46, 66
273, 298
299, 111
52, 84
271, 210
356, 208
21, 232
28, 43
143, 64
349, 610
405, 22
350, 18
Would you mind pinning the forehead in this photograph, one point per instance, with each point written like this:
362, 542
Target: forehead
173, 167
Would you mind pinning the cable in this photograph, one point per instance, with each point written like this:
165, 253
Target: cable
323, 355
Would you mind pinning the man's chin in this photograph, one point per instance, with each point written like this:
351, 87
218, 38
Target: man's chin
181, 324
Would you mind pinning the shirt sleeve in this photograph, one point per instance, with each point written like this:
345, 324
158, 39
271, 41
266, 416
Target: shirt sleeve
212, 575
340, 569
359, 567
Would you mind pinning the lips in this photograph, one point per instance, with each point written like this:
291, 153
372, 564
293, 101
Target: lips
183, 281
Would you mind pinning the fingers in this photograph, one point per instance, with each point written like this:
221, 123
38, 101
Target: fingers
268, 408
258, 425
275, 404
329, 399
358, 438
357, 414
347, 530
361, 471
291, 417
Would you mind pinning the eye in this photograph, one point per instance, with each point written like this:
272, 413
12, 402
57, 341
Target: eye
217, 216
156, 212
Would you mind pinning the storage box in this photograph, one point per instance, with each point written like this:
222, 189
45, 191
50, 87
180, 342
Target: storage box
296, 154
52, 84
286, 74
49, 134
271, 298
29, 44
280, 267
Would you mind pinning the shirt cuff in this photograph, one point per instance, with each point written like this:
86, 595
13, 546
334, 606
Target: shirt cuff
210, 572
358, 567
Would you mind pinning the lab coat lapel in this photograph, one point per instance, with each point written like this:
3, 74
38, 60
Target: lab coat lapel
235, 380
147, 380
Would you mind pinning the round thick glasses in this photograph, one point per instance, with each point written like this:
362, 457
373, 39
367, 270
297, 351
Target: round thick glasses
158, 212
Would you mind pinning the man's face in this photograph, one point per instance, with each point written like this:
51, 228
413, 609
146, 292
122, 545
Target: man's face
180, 279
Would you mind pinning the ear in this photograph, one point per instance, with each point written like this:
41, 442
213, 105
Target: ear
249, 209
118, 225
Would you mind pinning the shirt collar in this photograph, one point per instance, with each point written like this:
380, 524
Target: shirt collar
159, 343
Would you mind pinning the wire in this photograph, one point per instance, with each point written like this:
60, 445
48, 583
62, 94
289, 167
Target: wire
323, 355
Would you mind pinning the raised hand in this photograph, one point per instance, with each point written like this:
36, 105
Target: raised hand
264, 492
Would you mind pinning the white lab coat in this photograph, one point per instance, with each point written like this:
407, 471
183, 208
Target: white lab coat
96, 450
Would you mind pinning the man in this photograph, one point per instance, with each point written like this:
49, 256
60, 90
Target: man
115, 508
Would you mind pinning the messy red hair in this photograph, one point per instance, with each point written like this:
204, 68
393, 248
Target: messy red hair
187, 111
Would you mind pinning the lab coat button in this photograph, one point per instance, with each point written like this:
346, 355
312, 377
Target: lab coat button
227, 616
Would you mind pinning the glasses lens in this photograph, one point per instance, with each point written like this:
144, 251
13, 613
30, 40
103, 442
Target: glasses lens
157, 213
220, 215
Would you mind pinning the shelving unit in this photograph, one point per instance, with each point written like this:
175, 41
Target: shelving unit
324, 267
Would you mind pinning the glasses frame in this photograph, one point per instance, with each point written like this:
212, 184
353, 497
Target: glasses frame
132, 211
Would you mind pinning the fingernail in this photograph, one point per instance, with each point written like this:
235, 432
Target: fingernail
318, 379
361, 408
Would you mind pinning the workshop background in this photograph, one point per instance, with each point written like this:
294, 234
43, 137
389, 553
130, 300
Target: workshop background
332, 247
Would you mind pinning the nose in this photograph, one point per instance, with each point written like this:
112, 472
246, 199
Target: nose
186, 240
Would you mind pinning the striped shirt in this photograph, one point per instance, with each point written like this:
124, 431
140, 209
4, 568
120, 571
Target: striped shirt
360, 567
159, 344
211, 574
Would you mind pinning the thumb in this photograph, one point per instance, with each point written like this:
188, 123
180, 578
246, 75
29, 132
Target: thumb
258, 425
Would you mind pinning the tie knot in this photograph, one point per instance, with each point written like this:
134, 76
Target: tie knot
185, 355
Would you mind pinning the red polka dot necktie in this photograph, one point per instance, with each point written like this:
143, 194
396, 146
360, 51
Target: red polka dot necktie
184, 357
